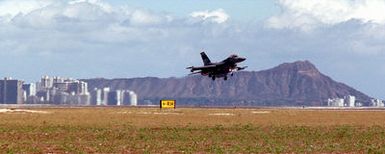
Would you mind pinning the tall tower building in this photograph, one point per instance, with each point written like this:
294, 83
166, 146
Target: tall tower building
29, 89
58, 79
114, 97
350, 101
130, 98
96, 97
105, 92
11, 91
46, 82
83, 88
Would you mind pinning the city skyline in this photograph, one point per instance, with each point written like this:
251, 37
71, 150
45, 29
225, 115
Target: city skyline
55, 90
96, 38
62, 91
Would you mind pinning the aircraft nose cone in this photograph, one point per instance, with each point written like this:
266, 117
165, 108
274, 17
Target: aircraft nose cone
242, 59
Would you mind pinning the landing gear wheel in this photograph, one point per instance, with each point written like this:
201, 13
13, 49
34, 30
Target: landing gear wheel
225, 78
231, 74
213, 77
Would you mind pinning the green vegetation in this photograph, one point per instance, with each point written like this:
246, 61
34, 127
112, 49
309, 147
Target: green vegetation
120, 130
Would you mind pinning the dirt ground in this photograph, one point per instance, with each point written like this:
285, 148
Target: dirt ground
191, 130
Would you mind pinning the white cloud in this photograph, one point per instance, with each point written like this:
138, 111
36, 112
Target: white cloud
144, 17
81, 23
308, 14
105, 6
218, 16
9, 9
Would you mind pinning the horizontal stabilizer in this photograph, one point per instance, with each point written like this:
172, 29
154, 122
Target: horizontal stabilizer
195, 73
241, 68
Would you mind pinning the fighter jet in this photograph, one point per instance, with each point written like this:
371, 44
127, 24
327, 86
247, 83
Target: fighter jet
219, 69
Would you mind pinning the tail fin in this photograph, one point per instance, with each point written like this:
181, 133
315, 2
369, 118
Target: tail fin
206, 60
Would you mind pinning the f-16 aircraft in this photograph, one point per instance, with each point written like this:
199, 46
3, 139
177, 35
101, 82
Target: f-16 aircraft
219, 69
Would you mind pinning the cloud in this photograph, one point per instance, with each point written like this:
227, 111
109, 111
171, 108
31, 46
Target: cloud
145, 18
20, 6
344, 38
60, 36
357, 26
9, 9
218, 16
308, 14
78, 26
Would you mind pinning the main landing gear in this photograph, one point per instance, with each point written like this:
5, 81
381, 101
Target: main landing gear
213, 77
225, 78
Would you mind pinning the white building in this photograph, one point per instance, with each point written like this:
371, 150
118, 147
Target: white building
46, 82
105, 92
377, 103
123, 97
133, 98
336, 102
98, 96
106, 96
350, 101
83, 88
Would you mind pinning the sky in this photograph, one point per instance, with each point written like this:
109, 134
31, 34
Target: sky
344, 39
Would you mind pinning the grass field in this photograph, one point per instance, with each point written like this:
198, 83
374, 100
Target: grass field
191, 130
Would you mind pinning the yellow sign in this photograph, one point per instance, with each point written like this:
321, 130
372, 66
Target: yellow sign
167, 104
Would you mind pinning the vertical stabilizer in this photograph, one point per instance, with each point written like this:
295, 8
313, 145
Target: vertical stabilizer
206, 60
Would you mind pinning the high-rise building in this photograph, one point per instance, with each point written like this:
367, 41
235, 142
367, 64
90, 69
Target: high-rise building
69, 91
133, 98
96, 97
336, 102
78, 87
44, 96
11, 91
61, 86
29, 92
377, 103
122, 97
115, 97
350, 101
57, 79
29, 89
83, 88
105, 92
46, 82
130, 98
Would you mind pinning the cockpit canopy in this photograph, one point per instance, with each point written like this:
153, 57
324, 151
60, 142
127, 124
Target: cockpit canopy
233, 56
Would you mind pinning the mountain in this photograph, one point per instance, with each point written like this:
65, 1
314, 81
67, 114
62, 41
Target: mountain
289, 84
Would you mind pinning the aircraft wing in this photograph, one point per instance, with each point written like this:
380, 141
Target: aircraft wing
203, 68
